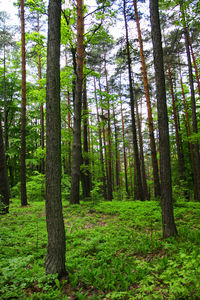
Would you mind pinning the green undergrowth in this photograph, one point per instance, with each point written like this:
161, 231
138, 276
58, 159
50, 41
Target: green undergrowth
114, 250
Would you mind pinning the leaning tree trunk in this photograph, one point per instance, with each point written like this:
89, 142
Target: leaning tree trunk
149, 110
76, 149
55, 258
23, 111
140, 191
4, 186
168, 223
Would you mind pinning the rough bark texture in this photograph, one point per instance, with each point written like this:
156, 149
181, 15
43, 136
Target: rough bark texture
23, 111
76, 149
140, 193
149, 110
168, 224
55, 258
4, 186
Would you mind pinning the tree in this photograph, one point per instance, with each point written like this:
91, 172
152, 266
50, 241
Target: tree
168, 223
4, 185
76, 148
140, 192
55, 258
149, 110
23, 110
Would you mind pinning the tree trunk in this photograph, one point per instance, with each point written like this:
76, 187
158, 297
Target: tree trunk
148, 101
117, 166
55, 258
178, 142
4, 185
109, 183
41, 105
144, 182
23, 111
194, 116
124, 153
135, 144
86, 174
76, 149
195, 64
168, 223
103, 179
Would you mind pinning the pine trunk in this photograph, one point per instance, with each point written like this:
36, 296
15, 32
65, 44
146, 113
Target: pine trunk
140, 192
168, 223
23, 111
76, 149
148, 101
55, 258
4, 185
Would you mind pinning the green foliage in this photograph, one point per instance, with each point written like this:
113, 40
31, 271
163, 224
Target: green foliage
113, 251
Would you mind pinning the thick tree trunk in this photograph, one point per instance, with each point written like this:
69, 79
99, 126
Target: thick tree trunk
148, 101
168, 223
76, 149
4, 186
55, 258
23, 111
140, 191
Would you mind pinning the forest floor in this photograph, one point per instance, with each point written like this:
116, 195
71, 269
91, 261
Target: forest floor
114, 250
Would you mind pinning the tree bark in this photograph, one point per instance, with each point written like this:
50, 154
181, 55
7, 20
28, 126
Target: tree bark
76, 148
140, 191
168, 223
149, 110
55, 258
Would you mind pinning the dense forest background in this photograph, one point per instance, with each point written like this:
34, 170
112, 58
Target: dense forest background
94, 109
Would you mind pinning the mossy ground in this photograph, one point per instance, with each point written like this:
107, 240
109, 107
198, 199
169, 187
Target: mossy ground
114, 250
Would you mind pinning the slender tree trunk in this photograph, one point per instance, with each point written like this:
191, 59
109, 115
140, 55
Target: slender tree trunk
5, 101
109, 184
76, 149
41, 105
144, 182
86, 175
135, 144
194, 116
23, 111
117, 166
130, 169
4, 185
101, 146
148, 101
69, 164
55, 258
195, 64
168, 223
124, 153
178, 142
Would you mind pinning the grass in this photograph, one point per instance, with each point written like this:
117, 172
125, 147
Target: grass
114, 250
